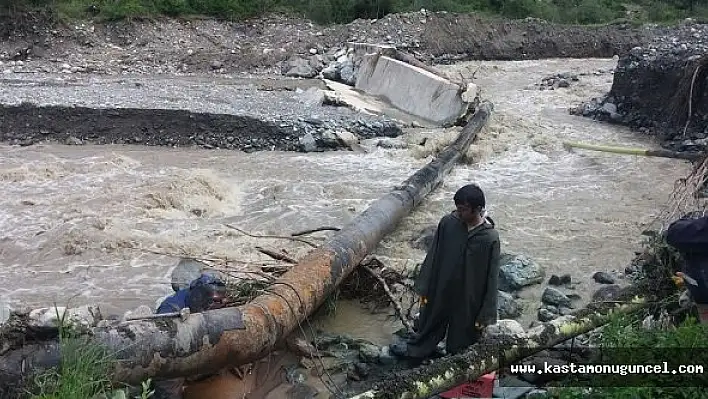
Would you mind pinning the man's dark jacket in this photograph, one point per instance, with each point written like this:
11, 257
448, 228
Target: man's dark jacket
459, 278
690, 237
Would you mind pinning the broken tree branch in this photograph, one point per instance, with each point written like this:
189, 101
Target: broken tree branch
277, 255
485, 357
310, 231
394, 302
216, 339
270, 236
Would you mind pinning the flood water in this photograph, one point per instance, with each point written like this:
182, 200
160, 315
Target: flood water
105, 224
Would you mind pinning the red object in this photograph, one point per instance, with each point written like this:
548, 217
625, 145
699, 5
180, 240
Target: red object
482, 388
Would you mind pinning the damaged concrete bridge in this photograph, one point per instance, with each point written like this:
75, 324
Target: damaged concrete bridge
385, 75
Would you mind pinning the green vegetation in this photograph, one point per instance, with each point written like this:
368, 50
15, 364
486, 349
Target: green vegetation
341, 11
686, 343
83, 373
674, 337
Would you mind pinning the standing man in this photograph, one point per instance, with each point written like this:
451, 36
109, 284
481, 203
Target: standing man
458, 279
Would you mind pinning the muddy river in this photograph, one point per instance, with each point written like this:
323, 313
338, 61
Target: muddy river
105, 224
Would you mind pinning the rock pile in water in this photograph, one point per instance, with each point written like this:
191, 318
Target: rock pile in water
657, 87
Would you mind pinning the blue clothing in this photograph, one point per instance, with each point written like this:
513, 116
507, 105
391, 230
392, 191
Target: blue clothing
198, 297
174, 302
690, 238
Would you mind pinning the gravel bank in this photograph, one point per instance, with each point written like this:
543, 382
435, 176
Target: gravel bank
247, 115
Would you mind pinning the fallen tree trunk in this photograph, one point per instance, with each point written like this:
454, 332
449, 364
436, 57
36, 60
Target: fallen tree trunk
216, 339
487, 356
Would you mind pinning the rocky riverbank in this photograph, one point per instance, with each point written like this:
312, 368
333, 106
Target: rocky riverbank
41, 43
660, 88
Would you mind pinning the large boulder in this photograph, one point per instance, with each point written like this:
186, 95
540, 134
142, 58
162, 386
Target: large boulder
186, 271
518, 271
81, 318
553, 296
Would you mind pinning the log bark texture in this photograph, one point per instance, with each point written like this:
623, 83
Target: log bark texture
487, 356
216, 339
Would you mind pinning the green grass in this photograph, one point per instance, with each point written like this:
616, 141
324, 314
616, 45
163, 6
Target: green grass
625, 341
342, 11
83, 373
640, 346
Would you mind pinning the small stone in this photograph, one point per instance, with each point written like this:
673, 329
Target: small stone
564, 311
546, 315
573, 297
506, 327
217, 65
560, 280
73, 141
386, 357
552, 296
331, 72
5, 312
603, 278
308, 143
563, 83
362, 369
606, 293
610, 108
551, 308
313, 51
369, 353
347, 138
507, 306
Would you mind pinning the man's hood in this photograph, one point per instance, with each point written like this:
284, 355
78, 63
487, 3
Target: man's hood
485, 229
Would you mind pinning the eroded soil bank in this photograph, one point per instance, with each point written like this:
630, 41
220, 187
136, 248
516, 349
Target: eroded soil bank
660, 88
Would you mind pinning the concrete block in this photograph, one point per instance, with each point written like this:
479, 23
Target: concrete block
411, 89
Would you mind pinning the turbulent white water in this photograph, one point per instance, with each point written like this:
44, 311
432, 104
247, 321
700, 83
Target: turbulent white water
86, 224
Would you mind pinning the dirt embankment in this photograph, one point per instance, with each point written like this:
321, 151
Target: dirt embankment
38, 43
661, 88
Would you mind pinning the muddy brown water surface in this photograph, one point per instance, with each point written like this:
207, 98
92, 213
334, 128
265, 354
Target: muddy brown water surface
85, 223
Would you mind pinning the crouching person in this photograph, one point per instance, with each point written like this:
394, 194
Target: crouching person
204, 293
